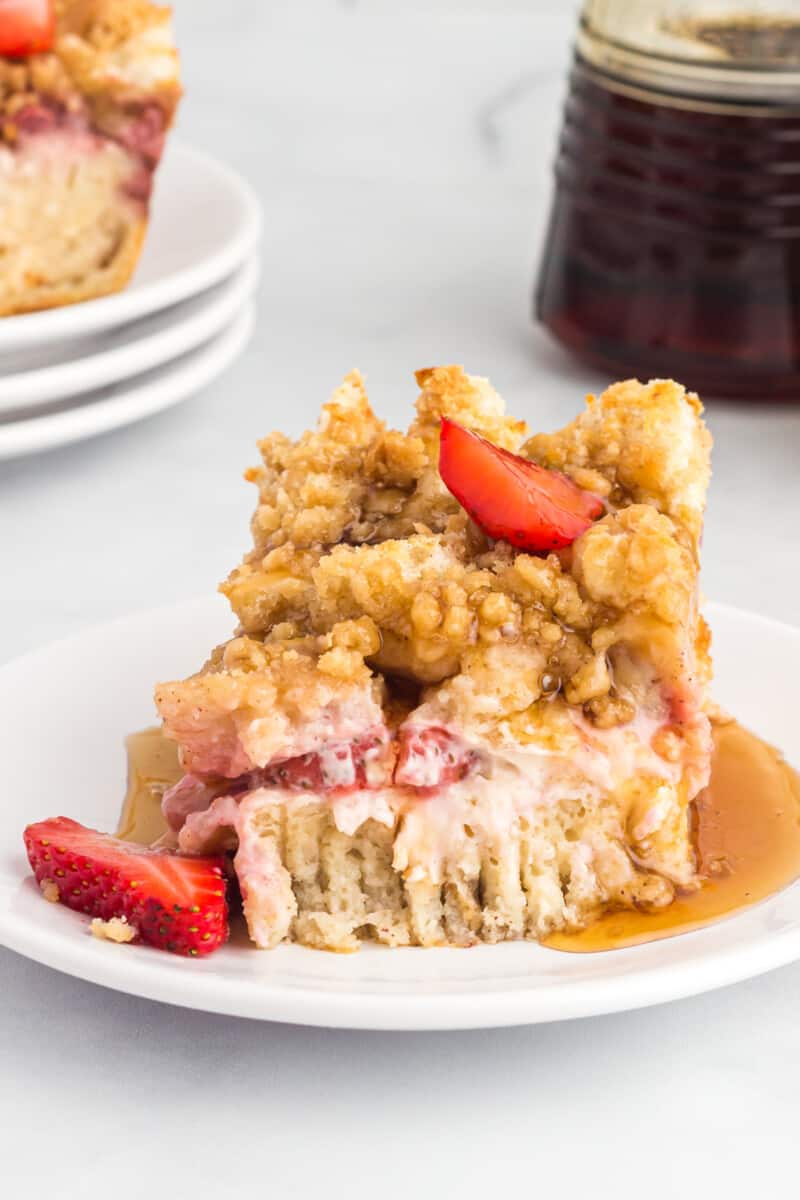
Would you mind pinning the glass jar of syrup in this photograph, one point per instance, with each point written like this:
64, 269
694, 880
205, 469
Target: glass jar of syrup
674, 240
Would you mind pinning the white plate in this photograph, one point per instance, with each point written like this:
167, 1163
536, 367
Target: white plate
66, 709
205, 221
124, 403
124, 352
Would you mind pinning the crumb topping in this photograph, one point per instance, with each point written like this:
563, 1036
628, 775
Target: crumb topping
115, 930
108, 54
256, 700
637, 444
50, 891
363, 565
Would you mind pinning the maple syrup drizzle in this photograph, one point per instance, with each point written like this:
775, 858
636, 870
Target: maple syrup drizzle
152, 767
747, 835
747, 839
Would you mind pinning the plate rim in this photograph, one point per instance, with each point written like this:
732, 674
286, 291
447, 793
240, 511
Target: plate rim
395, 1011
138, 398
189, 984
108, 312
217, 306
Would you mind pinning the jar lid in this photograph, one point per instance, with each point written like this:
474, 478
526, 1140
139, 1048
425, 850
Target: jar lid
734, 50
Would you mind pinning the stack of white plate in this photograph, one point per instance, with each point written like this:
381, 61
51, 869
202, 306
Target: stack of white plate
71, 373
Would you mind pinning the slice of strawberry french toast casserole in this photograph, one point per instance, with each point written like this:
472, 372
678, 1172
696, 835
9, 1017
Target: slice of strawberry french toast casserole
466, 701
467, 697
88, 91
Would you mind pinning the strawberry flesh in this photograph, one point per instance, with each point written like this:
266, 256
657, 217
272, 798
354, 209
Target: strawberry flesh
338, 767
175, 903
26, 27
510, 498
432, 757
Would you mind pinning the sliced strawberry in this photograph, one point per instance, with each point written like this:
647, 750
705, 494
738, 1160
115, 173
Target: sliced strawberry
26, 27
174, 903
513, 500
337, 767
432, 757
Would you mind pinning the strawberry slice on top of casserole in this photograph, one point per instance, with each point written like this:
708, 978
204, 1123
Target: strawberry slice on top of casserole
466, 701
88, 91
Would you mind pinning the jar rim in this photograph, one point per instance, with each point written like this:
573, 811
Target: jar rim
642, 56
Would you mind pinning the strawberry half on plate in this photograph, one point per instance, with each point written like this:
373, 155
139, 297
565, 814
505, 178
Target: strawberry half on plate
170, 901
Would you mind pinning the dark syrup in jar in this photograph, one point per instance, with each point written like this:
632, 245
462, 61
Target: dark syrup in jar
674, 240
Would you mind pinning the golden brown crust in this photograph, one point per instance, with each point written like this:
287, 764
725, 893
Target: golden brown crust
352, 480
106, 24
641, 443
119, 53
112, 278
253, 700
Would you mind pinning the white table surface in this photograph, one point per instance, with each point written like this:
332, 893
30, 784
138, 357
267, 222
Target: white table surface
403, 155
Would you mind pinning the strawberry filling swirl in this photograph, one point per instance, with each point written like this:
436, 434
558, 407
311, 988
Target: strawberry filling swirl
423, 759
140, 129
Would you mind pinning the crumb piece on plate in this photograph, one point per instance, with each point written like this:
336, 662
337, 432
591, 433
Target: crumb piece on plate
115, 930
50, 891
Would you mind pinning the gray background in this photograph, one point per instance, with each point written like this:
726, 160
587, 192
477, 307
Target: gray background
402, 154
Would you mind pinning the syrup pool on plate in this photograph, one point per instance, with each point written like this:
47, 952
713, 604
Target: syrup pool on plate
746, 827
152, 767
747, 839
